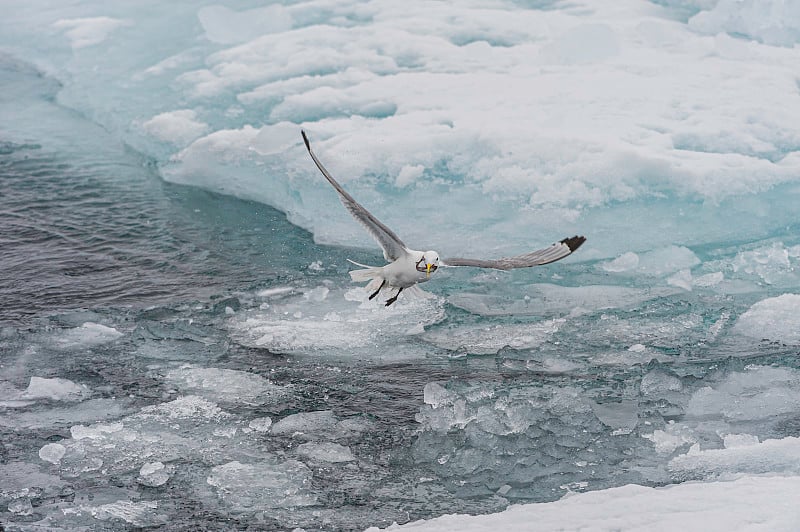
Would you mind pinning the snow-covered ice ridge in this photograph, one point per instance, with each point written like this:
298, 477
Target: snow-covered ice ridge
538, 114
748, 503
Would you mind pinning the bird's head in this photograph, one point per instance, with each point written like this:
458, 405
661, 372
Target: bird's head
429, 263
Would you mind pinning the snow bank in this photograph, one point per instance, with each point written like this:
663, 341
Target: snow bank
775, 22
740, 455
748, 503
575, 118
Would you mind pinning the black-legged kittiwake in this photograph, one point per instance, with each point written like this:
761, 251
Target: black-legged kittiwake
408, 267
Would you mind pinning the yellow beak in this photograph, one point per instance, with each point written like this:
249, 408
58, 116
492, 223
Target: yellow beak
427, 270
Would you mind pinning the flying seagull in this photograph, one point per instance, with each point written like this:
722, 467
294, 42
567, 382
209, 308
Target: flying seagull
408, 267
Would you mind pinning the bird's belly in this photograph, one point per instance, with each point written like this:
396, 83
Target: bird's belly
403, 277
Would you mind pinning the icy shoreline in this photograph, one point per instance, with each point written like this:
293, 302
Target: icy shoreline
744, 504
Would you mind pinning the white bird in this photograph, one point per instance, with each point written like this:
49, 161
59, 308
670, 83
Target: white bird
408, 267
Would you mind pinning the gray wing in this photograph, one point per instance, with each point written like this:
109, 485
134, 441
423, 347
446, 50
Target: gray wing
557, 251
393, 247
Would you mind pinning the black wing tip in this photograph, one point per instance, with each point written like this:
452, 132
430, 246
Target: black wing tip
574, 242
305, 139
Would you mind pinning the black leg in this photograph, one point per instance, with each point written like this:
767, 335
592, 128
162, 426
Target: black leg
393, 298
378, 290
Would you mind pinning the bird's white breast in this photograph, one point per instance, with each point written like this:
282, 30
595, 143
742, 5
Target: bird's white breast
403, 272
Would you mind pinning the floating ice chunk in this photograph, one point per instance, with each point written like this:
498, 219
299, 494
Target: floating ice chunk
187, 428
84, 412
553, 365
275, 291
622, 416
154, 474
330, 321
677, 329
682, 279
775, 318
625, 262
226, 385
709, 279
96, 432
10, 396
52, 452
56, 389
177, 127
318, 425
325, 452
482, 340
436, 395
261, 424
87, 335
739, 440
659, 383
781, 455
317, 294
21, 506
190, 408
666, 260
20, 477
757, 393
306, 424
83, 32
771, 264
674, 436
262, 486
140, 514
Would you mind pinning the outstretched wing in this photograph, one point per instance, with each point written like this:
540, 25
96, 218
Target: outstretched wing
393, 247
547, 255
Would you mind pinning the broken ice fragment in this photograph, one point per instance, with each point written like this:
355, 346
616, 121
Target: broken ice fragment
52, 452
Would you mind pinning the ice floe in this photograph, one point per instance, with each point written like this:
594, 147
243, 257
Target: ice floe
325, 452
87, 335
775, 318
262, 485
486, 340
338, 323
226, 385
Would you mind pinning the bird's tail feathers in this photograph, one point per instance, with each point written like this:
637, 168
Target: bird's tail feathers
373, 273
